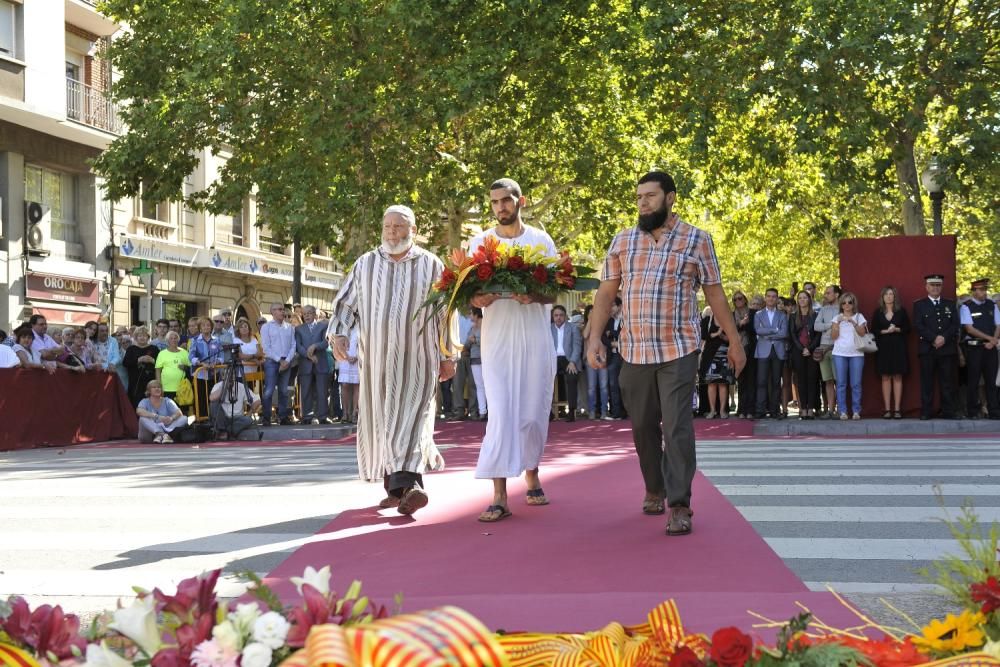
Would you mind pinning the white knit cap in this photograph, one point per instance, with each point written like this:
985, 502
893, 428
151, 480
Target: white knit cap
404, 211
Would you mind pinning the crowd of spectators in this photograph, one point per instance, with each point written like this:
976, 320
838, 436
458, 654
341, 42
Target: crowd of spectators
806, 356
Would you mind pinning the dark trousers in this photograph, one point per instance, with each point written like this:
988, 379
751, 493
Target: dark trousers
446, 397
614, 385
943, 366
746, 386
656, 394
806, 376
313, 393
462, 382
335, 410
398, 482
981, 363
769, 383
568, 382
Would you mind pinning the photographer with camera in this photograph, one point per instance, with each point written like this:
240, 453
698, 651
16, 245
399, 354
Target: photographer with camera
229, 399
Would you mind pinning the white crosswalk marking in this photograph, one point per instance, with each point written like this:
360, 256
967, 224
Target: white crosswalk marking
859, 515
86, 524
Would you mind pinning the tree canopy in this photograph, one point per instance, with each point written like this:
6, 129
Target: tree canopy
789, 124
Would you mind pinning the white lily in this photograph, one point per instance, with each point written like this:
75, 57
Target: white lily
138, 623
227, 636
244, 616
318, 579
99, 655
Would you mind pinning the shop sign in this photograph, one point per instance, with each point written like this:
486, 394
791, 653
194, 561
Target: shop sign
228, 261
159, 251
63, 288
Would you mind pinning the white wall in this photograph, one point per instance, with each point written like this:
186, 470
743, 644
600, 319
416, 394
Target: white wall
45, 56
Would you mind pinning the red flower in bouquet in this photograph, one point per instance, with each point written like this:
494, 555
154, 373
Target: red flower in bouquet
731, 647
447, 279
46, 630
540, 274
987, 593
566, 279
484, 271
886, 653
685, 657
516, 263
192, 593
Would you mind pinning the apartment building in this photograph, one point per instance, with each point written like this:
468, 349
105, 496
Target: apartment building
68, 254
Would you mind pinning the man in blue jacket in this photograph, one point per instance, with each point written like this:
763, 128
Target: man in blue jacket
568, 341
771, 326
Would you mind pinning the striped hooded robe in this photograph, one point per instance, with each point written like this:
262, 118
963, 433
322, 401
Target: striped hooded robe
399, 359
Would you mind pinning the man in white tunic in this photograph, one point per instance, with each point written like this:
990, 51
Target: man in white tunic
519, 364
399, 359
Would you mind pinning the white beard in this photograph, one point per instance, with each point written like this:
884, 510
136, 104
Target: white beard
399, 247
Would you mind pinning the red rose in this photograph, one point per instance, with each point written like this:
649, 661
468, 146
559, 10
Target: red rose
685, 657
515, 263
484, 272
731, 648
540, 274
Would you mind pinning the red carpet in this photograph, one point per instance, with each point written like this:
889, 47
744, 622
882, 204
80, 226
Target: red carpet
586, 559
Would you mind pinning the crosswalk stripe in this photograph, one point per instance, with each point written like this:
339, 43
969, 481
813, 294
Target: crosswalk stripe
860, 514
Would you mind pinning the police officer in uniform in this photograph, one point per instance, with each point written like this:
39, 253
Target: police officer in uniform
980, 319
936, 323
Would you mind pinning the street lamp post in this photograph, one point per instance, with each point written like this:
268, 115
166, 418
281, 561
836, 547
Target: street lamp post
932, 178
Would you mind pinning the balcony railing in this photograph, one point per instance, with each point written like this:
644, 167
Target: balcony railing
267, 244
89, 106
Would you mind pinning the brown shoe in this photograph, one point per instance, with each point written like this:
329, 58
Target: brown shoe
652, 505
388, 501
412, 500
679, 522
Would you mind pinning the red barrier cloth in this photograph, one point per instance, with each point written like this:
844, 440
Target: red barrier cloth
868, 265
66, 408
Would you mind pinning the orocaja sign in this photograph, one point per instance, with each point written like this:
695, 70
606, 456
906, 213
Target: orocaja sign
63, 288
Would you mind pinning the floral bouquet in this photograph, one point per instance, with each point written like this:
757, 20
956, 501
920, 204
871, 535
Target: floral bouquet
190, 628
499, 268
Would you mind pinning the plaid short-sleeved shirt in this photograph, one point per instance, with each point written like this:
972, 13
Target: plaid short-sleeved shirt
660, 282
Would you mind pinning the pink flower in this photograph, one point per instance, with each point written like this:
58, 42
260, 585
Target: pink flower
211, 654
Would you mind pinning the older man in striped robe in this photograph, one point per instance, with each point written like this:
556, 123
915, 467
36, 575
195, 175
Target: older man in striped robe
399, 359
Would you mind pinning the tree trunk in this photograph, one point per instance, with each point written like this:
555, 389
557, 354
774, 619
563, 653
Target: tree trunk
453, 233
908, 181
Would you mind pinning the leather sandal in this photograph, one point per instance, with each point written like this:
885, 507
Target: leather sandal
536, 497
412, 500
494, 513
680, 521
388, 501
653, 506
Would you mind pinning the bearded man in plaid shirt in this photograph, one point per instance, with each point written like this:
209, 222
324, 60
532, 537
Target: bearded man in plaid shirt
659, 265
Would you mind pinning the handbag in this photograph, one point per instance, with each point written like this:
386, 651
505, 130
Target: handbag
185, 393
865, 343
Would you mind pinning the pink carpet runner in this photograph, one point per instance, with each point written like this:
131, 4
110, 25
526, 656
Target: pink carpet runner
588, 558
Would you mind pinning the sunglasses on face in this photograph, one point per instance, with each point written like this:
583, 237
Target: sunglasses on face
219, 321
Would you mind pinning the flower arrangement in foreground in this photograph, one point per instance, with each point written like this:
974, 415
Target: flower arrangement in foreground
192, 627
189, 628
502, 268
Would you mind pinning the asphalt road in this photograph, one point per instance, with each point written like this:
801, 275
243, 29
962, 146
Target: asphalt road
81, 526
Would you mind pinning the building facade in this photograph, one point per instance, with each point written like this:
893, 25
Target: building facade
68, 254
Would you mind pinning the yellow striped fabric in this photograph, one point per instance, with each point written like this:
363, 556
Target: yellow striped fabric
443, 637
11, 656
968, 660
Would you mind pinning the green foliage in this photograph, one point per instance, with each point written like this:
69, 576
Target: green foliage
260, 590
977, 559
787, 125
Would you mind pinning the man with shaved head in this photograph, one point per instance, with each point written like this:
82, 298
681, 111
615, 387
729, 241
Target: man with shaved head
399, 358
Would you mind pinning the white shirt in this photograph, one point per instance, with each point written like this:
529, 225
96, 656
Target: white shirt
239, 406
278, 341
8, 357
770, 316
844, 345
560, 349
42, 343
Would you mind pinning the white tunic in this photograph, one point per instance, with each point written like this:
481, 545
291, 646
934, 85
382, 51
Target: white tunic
519, 367
398, 357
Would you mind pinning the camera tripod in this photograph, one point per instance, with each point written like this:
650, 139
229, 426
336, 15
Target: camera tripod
234, 375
